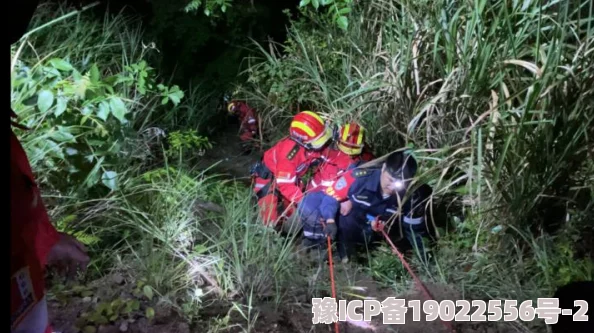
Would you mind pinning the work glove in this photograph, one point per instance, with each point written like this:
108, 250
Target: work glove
330, 230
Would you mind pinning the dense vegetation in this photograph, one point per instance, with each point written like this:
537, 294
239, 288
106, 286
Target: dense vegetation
495, 98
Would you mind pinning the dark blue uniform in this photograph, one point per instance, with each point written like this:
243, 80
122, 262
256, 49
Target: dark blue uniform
413, 221
360, 186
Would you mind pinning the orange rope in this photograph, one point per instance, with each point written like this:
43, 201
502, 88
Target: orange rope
332, 277
417, 280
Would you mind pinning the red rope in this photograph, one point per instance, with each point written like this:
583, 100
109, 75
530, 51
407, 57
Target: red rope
332, 277
417, 280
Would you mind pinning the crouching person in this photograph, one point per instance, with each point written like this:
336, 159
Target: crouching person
414, 226
359, 193
315, 229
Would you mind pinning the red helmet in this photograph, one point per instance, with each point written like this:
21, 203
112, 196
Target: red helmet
310, 130
351, 139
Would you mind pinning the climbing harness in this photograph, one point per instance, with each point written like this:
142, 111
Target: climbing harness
332, 276
414, 276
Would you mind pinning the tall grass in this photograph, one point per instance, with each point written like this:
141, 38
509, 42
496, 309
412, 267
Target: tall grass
495, 97
99, 89
190, 254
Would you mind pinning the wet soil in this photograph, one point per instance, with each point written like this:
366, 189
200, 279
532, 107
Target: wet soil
289, 317
227, 157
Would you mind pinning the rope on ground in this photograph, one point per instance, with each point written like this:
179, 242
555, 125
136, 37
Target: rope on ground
332, 276
414, 276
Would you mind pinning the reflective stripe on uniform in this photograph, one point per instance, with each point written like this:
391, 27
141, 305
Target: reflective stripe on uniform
314, 235
361, 201
411, 220
391, 211
286, 181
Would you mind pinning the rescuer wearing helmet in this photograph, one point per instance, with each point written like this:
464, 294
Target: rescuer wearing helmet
345, 153
248, 128
358, 193
278, 175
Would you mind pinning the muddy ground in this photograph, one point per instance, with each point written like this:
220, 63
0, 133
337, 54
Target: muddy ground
227, 157
68, 308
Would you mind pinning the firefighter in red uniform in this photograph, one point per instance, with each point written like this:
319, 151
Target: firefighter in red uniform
346, 152
278, 176
248, 128
34, 242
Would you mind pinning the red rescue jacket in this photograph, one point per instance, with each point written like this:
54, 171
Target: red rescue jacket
247, 118
334, 162
31, 235
288, 162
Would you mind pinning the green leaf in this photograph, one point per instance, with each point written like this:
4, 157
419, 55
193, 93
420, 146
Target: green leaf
304, 3
86, 111
343, 22
95, 143
95, 75
164, 100
118, 109
325, 2
109, 179
199, 249
61, 64
62, 135
176, 97
315, 3
150, 313
135, 305
68, 219
93, 176
344, 11
55, 148
101, 320
148, 292
61, 105
76, 75
45, 99
89, 329
223, 8
103, 112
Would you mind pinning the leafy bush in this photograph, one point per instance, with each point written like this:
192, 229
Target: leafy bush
185, 144
81, 112
494, 98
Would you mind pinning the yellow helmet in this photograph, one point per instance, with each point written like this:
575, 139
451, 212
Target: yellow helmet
310, 130
351, 138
